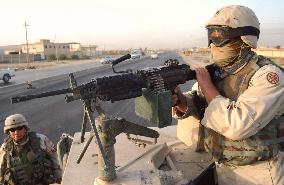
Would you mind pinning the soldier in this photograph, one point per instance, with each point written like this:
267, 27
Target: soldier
243, 122
27, 158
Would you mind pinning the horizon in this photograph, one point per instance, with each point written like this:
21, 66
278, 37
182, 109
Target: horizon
124, 24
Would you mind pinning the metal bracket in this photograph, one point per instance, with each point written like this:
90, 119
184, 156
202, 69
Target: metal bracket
141, 142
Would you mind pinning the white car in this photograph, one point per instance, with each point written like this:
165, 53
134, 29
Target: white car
154, 56
6, 74
107, 60
136, 53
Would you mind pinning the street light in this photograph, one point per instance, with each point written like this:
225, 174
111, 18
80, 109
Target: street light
27, 45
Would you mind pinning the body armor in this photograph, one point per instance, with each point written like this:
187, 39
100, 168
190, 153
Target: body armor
261, 146
27, 164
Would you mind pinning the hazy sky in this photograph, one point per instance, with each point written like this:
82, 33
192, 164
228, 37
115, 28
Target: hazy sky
128, 23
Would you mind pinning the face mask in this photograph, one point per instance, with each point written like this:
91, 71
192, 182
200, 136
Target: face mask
226, 55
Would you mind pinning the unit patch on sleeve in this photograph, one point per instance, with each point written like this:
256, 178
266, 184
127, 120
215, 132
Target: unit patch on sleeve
272, 78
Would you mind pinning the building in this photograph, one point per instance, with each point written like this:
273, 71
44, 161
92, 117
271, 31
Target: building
10, 49
270, 52
44, 49
89, 50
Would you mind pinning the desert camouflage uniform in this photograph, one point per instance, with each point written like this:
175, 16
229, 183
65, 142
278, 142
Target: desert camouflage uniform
244, 125
32, 162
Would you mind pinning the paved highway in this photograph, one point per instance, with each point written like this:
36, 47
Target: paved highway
52, 116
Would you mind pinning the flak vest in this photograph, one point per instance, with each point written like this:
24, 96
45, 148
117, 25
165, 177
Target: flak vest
27, 164
261, 146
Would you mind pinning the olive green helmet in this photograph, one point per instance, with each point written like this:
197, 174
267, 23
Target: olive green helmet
14, 121
241, 19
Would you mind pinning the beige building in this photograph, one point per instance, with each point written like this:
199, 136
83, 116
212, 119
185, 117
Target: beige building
267, 52
45, 48
82, 50
270, 52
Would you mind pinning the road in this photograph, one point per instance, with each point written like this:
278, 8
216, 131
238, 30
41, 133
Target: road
53, 116
22, 76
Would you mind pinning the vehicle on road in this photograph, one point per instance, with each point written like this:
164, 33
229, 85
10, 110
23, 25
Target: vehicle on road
107, 60
6, 74
136, 53
154, 56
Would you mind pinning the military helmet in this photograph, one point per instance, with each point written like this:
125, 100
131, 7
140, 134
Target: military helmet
242, 21
15, 120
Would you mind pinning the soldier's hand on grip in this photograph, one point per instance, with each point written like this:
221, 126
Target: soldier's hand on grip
179, 100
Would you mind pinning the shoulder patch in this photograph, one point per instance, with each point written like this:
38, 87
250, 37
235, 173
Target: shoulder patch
272, 78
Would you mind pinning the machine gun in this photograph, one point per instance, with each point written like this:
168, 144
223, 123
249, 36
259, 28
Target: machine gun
152, 87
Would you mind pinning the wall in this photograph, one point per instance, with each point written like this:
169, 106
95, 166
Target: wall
17, 58
272, 53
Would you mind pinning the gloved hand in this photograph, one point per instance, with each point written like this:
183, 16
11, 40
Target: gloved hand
205, 83
58, 180
179, 100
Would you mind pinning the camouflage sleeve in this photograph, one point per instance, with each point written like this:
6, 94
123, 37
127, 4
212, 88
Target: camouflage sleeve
192, 109
50, 149
254, 109
2, 164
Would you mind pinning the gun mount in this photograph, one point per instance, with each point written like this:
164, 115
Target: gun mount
105, 131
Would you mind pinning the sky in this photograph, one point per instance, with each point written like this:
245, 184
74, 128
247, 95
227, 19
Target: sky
121, 24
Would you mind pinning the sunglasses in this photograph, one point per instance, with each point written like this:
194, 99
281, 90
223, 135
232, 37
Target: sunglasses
16, 128
220, 36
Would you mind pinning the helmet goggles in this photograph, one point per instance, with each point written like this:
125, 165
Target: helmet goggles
220, 35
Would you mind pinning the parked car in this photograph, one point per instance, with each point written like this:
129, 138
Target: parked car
154, 56
107, 60
6, 74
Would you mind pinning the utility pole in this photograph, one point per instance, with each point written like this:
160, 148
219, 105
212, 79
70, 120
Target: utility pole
56, 52
27, 45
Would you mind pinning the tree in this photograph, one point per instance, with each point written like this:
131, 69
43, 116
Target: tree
85, 57
74, 57
51, 57
62, 57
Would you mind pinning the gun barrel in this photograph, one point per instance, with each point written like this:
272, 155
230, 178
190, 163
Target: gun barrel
18, 99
